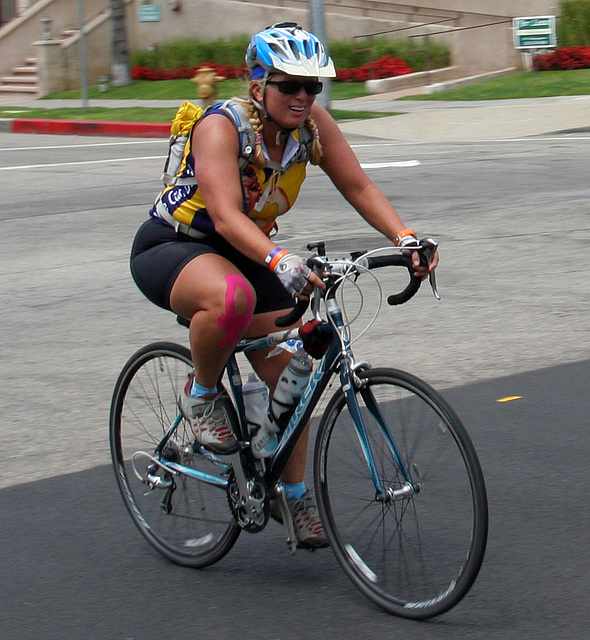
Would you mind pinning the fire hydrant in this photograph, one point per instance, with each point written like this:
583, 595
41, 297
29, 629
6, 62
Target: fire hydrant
206, 80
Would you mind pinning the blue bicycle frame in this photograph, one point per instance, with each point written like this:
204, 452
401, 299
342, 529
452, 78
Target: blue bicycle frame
338, 356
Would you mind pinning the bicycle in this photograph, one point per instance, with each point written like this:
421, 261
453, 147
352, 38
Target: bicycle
399, 487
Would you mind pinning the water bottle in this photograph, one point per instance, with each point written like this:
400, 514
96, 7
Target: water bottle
290, 386
263, 439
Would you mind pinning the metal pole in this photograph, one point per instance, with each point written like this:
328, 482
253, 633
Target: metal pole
83, 58
316, 14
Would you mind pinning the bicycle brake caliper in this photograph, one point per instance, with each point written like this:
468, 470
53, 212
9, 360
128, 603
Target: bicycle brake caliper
355, 369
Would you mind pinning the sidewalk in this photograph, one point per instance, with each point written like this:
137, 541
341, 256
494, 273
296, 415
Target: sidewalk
440, 121
426, 121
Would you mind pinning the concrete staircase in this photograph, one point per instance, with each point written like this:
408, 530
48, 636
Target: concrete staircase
23, 83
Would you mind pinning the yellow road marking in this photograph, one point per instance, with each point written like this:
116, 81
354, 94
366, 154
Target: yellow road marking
508, 398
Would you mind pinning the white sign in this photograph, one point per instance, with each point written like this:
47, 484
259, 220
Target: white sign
535, 32
149, 12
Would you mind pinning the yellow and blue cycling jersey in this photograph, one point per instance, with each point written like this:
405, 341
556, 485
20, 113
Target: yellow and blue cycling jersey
266, 193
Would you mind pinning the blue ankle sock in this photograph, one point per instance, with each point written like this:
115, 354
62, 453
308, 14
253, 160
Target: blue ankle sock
198, 390
293, 491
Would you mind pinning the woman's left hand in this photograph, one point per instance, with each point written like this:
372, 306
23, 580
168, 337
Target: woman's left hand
420, 270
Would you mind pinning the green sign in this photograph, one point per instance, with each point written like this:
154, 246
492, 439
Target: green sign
149, 12
535, 32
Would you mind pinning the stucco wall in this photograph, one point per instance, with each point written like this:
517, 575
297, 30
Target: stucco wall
475, 50
97, 55
17, 37
210, 19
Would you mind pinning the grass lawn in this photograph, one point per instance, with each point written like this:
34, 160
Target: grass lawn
186, 90
177, 90
540, 84
518, 85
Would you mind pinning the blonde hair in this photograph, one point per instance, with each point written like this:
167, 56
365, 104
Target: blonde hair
258, 159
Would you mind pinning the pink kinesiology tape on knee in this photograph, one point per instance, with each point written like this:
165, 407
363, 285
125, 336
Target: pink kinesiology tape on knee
231, 321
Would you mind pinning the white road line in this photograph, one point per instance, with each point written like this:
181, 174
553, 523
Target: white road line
66, 164
367, 165
161, 141
565, 137
387, 165
94, 144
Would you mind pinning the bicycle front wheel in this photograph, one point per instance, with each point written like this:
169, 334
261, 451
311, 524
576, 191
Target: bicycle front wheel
416, 547
187, 520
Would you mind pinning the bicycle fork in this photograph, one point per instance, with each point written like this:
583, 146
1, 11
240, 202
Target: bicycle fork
386, 494
351, 382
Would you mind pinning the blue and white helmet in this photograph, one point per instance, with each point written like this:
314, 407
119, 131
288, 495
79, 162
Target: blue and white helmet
287, 48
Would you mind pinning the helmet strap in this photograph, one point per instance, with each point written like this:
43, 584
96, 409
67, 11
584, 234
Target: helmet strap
281, 132
262, 108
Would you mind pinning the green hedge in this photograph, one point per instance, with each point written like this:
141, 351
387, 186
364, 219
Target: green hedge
573, 27
190, 53
419, 55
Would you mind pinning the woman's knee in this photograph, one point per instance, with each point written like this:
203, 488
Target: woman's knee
238, 308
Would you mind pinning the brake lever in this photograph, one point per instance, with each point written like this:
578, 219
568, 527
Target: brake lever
318, 265
429, 248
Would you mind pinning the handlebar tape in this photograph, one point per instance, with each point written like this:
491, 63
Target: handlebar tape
372, 262
399, 261
295, 314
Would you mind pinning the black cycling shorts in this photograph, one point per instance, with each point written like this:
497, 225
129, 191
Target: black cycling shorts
159, 253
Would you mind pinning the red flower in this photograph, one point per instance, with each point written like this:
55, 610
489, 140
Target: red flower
385, 67
562, 59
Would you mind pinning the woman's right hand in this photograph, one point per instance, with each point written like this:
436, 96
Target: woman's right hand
296, 276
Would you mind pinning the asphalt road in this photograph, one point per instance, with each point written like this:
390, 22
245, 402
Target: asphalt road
512, 219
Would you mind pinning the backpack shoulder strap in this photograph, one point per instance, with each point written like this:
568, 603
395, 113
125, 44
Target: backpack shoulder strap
305, 136
238, 113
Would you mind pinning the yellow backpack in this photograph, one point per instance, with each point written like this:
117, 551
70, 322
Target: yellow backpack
180, 132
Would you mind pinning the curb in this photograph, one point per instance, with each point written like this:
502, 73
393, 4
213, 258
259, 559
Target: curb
585, 129
87, 127
458, 83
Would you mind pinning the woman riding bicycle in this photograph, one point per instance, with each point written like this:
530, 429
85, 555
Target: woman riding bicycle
206, 251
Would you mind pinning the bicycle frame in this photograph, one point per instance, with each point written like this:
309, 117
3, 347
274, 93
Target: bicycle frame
318, 381
338, 356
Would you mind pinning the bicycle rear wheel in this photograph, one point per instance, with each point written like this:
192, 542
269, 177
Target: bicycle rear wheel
185, 519
415, 554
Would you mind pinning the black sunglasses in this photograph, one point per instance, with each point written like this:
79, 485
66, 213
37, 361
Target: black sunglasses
291, 87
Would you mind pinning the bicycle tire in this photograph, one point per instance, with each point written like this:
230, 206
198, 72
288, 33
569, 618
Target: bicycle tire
417, 555
192, 524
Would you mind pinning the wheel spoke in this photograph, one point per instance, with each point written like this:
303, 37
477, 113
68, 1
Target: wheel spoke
417, 550
190, 522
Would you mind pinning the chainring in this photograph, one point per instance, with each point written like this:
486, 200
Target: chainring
251, 514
